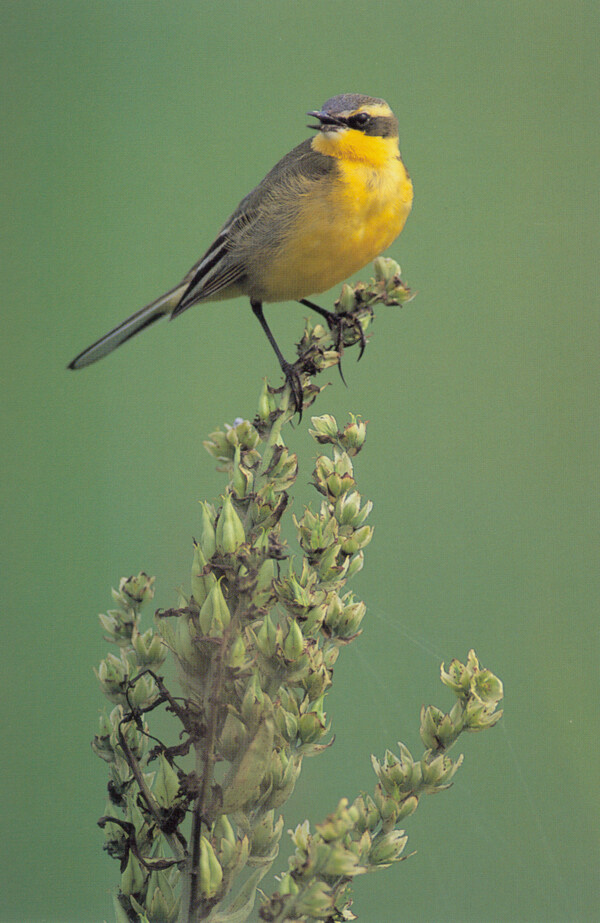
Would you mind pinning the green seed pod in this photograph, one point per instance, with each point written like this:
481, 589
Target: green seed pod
184, 637
293, 644
166, 783
354, 435
133, 878
201, 581
211, 873
325, 429
266, 638
237, 653
387, 847
207, 541
214, 615
230, 531
150, 650
265, 402
347, 299
248, 774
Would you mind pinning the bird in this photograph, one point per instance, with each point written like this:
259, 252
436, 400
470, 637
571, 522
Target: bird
326, 209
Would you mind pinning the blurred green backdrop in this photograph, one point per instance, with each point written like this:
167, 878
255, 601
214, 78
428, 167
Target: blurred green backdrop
130, 131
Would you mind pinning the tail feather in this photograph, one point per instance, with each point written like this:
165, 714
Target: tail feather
134, 324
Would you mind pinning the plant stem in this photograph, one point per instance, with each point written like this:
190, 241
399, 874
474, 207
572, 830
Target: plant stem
205, 758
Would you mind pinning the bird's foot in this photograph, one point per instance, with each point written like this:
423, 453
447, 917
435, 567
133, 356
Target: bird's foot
339, 323
342, 322
294, 383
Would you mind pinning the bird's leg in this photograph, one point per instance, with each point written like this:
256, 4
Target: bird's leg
291, 375
336, 322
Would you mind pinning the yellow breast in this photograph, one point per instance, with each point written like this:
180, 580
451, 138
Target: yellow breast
344, 221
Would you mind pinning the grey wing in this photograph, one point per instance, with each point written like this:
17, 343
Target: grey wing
222, 266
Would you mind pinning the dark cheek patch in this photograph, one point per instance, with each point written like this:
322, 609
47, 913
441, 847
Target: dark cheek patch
382, 126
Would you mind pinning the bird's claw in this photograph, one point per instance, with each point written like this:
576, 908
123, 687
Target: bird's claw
294, 383
337, 322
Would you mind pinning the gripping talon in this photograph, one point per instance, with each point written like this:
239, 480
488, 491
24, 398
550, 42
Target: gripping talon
363, 340
294, 383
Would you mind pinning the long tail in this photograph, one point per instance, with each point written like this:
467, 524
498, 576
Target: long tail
138, 321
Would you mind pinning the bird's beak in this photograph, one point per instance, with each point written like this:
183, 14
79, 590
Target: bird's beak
327, 122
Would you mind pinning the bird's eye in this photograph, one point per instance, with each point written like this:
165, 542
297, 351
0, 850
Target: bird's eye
359, 120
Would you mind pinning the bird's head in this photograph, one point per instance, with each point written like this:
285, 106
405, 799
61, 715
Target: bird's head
352, 112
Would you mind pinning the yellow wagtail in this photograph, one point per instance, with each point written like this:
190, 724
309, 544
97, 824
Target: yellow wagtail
328, 208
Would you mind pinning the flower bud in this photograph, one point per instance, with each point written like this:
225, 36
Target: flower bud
113, 674
353, 437
223, 830
357, 540
150, 650
316, 901
347, 300
317, 681
387, 806
336, 860
266, 835
283, 775
325, 429
137, 589
287, 885
166, 783
325, 479
330, 655
119, 625
183, 639
487, 688
348, 511
133, 877
311, 727
266, 638
407, 807
397, 774
386, 269
354, 613
283, 468
243, 478
387, 847
457, 678
266, 404
214, 615
143, 692
437, 729
115, 841
339, 822
101, 743
293, 644
287, 724
202, 579
247, 435
230, 531
135, 738
263, 590
253, 700
479, 717
207, 541
211, 873
242, 782
237, 653
233, 738
327, 566
162, 903
438, 772
355, 565
218, 446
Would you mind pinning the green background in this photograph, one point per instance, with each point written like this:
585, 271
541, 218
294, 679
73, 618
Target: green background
129, 132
